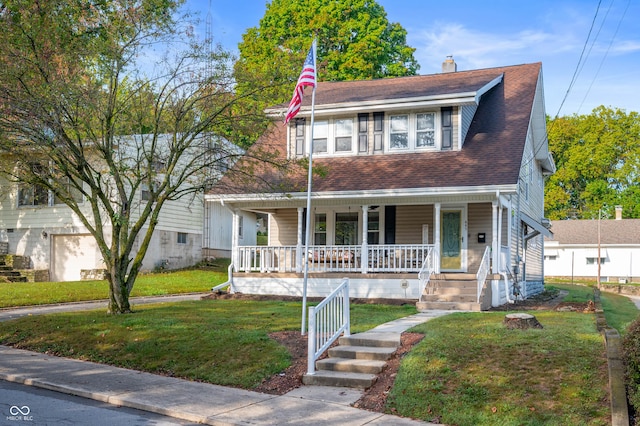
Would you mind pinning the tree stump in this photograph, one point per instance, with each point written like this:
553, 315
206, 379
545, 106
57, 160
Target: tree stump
521, 321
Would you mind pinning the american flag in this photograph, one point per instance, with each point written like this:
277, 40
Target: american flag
307, 78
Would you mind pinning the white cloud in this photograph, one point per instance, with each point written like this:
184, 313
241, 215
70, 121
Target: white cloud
473, 49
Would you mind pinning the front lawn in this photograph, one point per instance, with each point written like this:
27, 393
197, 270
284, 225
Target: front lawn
471, 370
224, 342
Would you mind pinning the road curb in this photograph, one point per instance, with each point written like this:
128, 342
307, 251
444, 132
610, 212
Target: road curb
615, 363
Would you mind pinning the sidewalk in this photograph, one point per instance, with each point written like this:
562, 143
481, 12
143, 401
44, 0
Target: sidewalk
199, 402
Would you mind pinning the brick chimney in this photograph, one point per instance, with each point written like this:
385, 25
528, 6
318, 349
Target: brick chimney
618, 212
449, 65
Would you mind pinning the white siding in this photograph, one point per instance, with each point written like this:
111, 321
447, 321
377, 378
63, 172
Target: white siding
621, 262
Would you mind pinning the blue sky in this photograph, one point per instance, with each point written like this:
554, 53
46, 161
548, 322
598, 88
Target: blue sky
597, 41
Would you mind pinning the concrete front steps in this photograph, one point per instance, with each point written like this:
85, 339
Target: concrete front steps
450, 292
10, 275
356, 361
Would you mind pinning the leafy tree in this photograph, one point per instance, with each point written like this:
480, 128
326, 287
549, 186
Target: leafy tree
598, 165
70, 88
355, 42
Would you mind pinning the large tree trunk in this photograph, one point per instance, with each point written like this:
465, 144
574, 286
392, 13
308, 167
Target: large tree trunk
118, 294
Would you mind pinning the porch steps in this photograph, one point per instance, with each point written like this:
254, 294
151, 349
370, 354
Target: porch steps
10, 275
450, 292
356, 361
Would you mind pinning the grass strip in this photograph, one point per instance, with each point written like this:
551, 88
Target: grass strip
152, 284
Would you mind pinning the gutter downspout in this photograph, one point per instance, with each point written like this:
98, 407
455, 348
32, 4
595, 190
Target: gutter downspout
229, 281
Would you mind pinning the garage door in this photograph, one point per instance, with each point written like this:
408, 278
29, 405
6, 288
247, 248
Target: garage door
71, 253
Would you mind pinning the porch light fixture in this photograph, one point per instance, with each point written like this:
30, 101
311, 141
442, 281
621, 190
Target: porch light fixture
44, 235
482, 238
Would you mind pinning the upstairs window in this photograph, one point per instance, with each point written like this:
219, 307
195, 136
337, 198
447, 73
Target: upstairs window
320, 136
399, 132
414, 131
344, 135
333, 137
32, 195
71, 189
425, 129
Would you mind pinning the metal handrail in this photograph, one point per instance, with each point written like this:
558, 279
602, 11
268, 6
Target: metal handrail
483, 271
426, 270
327, 321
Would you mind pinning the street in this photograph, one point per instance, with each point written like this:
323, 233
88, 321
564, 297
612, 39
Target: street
28, 405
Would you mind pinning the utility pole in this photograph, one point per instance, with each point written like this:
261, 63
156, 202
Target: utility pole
598, 283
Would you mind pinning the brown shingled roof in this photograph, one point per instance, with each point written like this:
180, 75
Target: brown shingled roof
491, 155
625, 231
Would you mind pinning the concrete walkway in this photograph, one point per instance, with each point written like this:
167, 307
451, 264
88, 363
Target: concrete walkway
193, 401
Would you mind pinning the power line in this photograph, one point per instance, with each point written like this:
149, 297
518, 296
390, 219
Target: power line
607, 52
577, 70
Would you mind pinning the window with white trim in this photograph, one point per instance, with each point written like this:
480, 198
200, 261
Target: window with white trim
32, 195
334, 136
344, 135
320, 136
399, 132
415, 131
425, 129
71, 189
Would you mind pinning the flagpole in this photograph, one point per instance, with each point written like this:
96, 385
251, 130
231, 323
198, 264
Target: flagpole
308, 218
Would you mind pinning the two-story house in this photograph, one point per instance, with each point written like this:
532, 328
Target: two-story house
51, 239
427, 187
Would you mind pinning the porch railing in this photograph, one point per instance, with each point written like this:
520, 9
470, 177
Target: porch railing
336, 258
327, 321
483, 271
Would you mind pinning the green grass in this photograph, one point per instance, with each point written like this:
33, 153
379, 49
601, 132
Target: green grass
153, 284
224, 342
471, 370
577, 293
619, 311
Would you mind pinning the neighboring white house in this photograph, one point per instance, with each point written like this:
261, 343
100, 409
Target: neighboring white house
51, 236
416, 177
577, 244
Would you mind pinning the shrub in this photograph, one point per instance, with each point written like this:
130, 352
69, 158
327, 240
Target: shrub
631, 348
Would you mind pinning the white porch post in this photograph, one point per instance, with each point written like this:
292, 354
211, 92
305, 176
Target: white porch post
500, 213
235, 251
436, 238
364, 256
299, 256
495, 249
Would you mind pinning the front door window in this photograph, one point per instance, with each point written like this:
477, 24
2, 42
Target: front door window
451, 250
346, 228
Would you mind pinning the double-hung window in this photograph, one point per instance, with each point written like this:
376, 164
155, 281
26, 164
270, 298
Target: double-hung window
399, 132
414, 131
71, 189
344, 135
32, 195
320, 136
425, 129
333, 136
